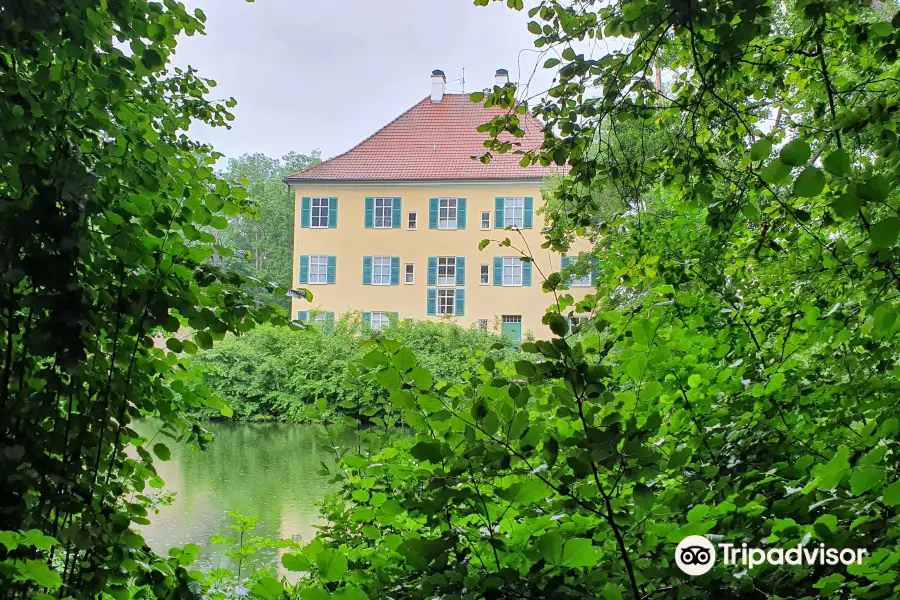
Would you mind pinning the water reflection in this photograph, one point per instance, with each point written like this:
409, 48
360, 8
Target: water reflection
264, 470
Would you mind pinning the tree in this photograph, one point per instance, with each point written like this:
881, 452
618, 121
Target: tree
264, 241
744, 381
105, 204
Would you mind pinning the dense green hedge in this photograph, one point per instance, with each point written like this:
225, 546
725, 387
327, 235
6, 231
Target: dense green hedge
280, 373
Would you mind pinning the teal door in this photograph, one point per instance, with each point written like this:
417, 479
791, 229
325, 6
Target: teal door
512, 329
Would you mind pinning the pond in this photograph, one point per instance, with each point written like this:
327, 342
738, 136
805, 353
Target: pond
264, 470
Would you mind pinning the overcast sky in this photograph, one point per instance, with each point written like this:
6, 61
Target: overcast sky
311, 74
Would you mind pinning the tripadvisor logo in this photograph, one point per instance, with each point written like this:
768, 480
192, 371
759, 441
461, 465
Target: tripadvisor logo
696, 555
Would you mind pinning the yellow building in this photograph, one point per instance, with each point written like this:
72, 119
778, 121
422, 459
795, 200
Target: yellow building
391, 228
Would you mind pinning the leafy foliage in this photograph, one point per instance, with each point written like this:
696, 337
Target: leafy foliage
105, 207
741, 377
263, 240
319, 373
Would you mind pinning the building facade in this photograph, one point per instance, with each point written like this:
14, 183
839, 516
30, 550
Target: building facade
391, 229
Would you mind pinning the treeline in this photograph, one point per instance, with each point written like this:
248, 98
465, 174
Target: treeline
281, 373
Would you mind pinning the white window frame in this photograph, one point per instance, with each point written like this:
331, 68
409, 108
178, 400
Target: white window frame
409, 274
321, 317
512, 270
448, 264
446, 299
318, 270
412, 221
514, 213
446, 208
583, 281
379, 320
381, 270
484, 274
485, 220
483, 325
384, 207
318, 212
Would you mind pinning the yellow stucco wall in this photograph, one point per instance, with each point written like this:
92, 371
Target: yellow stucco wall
351, 240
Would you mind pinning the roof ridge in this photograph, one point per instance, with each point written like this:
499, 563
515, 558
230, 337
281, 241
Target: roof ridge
395, 119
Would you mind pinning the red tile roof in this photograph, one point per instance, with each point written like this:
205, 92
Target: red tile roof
433, 141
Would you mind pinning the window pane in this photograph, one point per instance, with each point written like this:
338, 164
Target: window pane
514, 212
485, 274
318, 269
381, 270
446, 270
512, 271
410, 272
412, 223
446, 302
486, 220
379, 320
384, 212
319, 212
447, 213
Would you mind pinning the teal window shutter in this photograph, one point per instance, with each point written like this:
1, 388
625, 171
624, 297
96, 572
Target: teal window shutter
366, 321
498, 213
529, 213
332, 213
304, 212
526, 272
302, 316
460, 302
304, 269
367, 270
370, 213
498, 270
332, 270
395, 270
432, 213
395, 213
432, 270
460, 213
432, 302
329, 321
565, 262
460, 270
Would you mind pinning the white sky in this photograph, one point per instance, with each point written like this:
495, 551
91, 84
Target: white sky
313, 74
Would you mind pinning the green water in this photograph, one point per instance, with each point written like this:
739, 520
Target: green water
263, 470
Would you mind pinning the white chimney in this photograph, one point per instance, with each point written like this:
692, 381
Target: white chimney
438, 81
501, 77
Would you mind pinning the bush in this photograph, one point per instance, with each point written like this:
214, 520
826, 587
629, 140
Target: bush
279, 373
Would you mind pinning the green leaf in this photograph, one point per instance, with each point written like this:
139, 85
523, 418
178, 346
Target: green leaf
267, 587
534, 27
761, 149
831, 473
809, 183
476, 96
795, 153
550, 546
314, 594
848, 205
697, 514
775, 172
203, 339
332, 564
643, 496
162, 451
9, 540
579, 552
884, 318
430, 451
350, 592
551, 62
884, 233
891, 495
38, 572
864, 479
612, 592
838, 162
